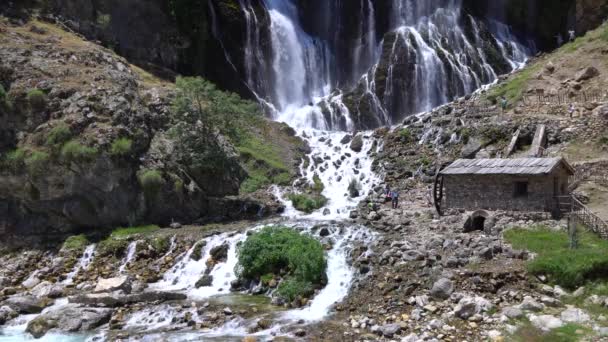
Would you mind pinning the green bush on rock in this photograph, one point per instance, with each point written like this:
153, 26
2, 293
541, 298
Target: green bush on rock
74, 152
151, 181
37, 99
58, 135
75, 242
36, 162
121, 147
281, 250
307, 203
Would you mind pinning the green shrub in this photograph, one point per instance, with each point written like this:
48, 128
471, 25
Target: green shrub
58, 135
160, 245
564, 266
275, 250
75, 242
36, 163
124, 232
307, 203
121, 147
283, 178
318, 186
151, 181
37, 99
405, 135
14, 160
74, 152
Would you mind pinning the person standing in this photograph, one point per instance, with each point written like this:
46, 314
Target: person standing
572, 35
503, 104
395, 198
571, 110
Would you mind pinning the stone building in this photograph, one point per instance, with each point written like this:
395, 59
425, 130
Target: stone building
526, 184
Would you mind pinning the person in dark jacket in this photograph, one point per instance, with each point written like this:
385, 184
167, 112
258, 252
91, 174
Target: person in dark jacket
395, 198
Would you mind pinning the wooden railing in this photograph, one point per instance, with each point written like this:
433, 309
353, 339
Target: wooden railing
579, 213
565, 98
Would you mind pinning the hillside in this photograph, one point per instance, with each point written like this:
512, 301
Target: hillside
90, 141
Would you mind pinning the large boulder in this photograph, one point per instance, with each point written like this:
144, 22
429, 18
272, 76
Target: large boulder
206, 280
357, 143
546, 322
470, 306
574, 315
122, 283
442, 289
587, 73
69, 318
25, 304
6, 314
47, 289
220, 253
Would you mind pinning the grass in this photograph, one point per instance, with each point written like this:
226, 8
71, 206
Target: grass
121, 147
59, 135
14, 160
121, 233
513, 90
75, 242
307, 203
406, 135
567, 333
567, 267
151, 181
263, 164
36, 163
74, 152
37, 99
279, 250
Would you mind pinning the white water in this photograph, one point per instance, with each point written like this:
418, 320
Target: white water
131, 249
82, 264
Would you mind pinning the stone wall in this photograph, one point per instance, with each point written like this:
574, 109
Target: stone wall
496, 192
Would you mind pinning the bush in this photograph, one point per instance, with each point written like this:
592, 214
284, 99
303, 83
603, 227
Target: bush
151, 181
37, 99
36, 162
14, 160
318, 186
59, 135
307, 203
274, 250
405, 135
77, 153
278, 250
121, 147
75, 242
567, 267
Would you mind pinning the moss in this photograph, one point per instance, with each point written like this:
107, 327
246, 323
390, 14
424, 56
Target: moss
74, 152
59, 135
36, 163
307, 203
75, 242
160, 245
36, 99
14, 160
124, 232
121, 147
112, 247
151, 181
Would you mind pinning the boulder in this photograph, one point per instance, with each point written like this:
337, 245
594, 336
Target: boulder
513, 312
220, 253
390, 330
472, 147
69, 318
373, 216
122, 283
347, 138
206, 280
529, 304
25, 304
47, 289
442, 289
6, 314
30, 282
586, 74
574, 315
546, 322
469, 306
357, 143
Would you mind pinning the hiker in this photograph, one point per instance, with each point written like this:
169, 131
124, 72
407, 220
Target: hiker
503, 104
395, 198
387, 192
571, 110
572, 35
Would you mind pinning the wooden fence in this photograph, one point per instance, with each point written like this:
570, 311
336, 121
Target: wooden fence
578, 213
565, 98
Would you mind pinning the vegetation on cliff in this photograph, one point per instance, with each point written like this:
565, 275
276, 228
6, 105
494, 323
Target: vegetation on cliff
281, 251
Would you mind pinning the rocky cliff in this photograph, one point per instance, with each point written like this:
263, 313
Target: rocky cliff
86, 143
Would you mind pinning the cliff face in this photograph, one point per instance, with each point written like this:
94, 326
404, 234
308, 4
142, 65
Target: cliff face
84, 143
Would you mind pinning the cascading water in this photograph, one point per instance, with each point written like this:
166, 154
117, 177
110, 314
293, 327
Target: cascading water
82, 264
131, 249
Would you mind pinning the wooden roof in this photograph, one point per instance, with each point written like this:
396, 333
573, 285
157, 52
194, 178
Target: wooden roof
519, 166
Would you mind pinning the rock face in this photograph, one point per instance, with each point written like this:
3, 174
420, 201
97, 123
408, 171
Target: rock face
70, 318
25, 304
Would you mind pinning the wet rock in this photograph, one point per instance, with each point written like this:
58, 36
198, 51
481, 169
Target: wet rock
116, 299
227, 311
122, 283
31, 282
206, 280
70, 318
357, 143
300, 333
324, 232
442, 289
326, 211
6, 314
347, 138
586, 74
390, 330
546, 322
574, 315
25, 304
353, 214
220, 253
46, 289
264, 324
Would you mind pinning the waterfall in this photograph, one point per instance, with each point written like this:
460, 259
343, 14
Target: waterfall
131, 249
82, 264
431, 54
